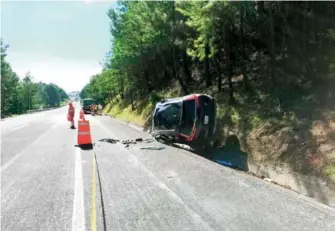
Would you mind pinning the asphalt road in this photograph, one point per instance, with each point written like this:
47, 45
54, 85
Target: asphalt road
46, 184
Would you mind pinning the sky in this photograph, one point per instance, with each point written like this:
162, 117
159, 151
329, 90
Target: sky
63, 42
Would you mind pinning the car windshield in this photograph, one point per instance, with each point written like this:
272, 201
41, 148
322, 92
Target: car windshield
88, 102
167, 117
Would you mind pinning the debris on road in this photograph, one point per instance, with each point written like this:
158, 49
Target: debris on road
126, 142
109, 140
153, 148
148, 140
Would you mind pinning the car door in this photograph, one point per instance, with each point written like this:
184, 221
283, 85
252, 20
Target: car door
188, 118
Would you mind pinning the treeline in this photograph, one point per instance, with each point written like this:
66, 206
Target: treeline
19, 96
282, 48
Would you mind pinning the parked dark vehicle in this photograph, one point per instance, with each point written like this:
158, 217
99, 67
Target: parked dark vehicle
188, 120
86, 103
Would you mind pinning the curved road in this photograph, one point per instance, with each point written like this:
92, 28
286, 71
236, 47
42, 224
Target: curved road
46, 184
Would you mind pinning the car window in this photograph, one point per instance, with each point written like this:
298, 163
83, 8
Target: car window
167, 117
188, 117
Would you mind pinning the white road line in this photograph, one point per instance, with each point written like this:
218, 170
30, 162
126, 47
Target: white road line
19, 127
78, 216
11, 161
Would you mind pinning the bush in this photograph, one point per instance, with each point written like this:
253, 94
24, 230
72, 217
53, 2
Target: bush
154, 98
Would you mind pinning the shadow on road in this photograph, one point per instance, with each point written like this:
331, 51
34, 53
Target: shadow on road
229, 155
232, 156
85, 146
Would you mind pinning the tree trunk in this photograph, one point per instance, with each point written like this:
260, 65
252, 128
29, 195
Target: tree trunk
146, 78
274, 85
271, 48
175, 67
219, 84
186, 67
310, 70
207, 74
132, 100
166, 74
229, 66
154, 76
231, 89
243, 55
178, 77
284, 14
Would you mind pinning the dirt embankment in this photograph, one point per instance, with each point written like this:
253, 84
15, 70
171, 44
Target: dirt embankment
309, 151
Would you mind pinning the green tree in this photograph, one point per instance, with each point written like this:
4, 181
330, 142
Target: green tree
28, 91
275, 45
41, 97
9, 82
53, 95
19, 96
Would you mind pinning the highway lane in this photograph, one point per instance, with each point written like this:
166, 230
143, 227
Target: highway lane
46, 184
19, 132
37, 172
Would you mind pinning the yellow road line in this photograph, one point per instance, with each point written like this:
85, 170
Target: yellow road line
93, 205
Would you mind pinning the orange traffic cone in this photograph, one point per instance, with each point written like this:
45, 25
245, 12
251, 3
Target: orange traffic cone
84, 133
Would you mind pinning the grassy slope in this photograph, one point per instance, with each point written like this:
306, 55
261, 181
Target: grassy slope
125, 113
300, 134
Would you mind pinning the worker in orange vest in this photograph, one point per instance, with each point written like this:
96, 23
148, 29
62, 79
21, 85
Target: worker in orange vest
70, 115
92, 109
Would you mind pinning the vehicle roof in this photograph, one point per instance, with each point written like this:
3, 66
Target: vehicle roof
178, 99
88, 99
199, 94
168, 101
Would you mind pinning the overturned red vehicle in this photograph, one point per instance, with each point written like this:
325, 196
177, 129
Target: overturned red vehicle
188, 120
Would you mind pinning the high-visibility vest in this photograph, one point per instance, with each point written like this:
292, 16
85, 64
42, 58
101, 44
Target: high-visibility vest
71, 113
